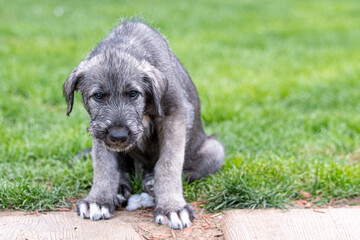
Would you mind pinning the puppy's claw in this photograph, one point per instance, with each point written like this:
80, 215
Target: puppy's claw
120, 198
160, 219
105, 213
185, 219
83, 210
93, 210
175, 220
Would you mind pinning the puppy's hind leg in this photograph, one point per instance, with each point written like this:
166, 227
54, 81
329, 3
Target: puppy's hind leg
127, 168
146, 174
208, 159
148, 182
83, 154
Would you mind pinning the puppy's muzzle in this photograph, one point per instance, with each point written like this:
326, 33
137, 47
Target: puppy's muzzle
118, 135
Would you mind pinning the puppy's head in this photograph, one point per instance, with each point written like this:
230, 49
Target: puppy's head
118, 92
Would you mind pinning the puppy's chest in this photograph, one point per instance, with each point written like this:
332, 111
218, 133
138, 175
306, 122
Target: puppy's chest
147, 148
146, 152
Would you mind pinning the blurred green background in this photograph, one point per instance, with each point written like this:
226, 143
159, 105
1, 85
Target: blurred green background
278, 81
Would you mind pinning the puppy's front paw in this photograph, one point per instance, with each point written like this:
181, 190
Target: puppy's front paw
175, 219
94, 211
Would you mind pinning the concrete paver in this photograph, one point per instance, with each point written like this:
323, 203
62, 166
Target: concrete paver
62, 225
332, 223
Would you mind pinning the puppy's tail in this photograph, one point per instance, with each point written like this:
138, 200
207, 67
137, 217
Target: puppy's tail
83, 154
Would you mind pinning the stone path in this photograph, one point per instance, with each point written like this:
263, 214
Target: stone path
61, 225
332, 223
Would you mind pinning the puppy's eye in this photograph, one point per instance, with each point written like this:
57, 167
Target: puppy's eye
98, 97
133, 94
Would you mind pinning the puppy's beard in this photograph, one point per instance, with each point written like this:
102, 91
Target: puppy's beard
119, 149
114, 148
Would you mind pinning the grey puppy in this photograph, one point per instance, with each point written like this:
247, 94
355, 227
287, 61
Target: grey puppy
144, 108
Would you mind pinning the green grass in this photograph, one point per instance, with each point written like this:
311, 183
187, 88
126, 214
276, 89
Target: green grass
279, 84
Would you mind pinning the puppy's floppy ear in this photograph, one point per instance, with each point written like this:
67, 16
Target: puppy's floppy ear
157, 84
71, 84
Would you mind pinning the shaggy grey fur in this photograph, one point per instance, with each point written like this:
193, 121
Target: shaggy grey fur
143, 109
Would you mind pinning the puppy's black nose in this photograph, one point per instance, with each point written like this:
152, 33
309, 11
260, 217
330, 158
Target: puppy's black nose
118, 134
